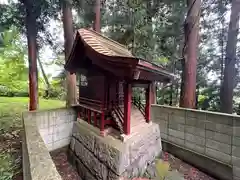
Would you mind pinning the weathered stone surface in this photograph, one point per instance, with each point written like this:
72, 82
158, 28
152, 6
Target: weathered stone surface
220, 119
83, 172
164, 136
85, 136
224, 138
236, 131
72, 143
90, 161
236, 141
195, 130
176, 126
195, 122
36, 158
218, 155
222, 128
236, 151
175, 133
195, 139
114, 156
236, 171
195, 147
236, 161
177, 119
113, 176
175, 140
222, 147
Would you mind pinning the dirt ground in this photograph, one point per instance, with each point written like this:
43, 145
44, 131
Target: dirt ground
189, 172
11, 150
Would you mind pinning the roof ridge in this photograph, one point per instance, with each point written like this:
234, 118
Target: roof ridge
103, 36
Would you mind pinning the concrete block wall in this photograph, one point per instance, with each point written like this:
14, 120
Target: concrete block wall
214, 135
55, 126
36, 158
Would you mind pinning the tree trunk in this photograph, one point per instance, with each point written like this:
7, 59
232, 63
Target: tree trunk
230, 60
189, 62
44, 74
97, 22
68, 38
32, 56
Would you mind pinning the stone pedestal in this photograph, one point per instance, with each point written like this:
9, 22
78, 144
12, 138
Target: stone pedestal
108, 158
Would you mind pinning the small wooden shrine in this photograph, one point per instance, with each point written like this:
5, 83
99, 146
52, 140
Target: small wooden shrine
107, 73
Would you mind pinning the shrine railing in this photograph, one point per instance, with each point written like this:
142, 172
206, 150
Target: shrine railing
138, 103
93, 112
118, 114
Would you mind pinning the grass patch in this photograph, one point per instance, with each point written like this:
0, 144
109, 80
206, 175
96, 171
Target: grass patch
11, 109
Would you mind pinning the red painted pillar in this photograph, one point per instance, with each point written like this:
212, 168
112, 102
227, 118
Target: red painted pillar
148, 103
102, 123
127, 107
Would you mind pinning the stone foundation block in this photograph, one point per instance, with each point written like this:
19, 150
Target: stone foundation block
108, 158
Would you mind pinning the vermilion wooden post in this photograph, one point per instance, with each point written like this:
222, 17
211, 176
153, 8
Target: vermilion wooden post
148, 103
102, 123
95, 119
127, 107
89, 116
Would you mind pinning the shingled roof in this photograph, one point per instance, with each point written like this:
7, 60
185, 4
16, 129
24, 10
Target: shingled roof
113, 51
103, 44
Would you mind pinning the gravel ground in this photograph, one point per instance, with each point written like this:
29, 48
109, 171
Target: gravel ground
190, 173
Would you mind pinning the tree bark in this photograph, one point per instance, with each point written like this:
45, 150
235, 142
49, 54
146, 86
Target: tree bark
44, 74
189, 62
97, 22
32, 56
68, 38
230, 60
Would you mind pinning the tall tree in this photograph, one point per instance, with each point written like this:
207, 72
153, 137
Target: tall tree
97, 22
68, 38
230, 60
190, 49
32, 14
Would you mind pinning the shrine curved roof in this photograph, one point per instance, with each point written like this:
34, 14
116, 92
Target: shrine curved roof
103, 44
113, 52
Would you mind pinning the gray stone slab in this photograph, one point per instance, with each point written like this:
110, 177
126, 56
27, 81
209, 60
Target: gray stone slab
236, 151
222, 128
224, 138
177, 119
175, 133
195, 130
236, 161
85, 136
195, 122
89, 160
194, 147
236, 131
218, 155
195, 139
220, 119
176, 126
236, 171
175, 140
164, 136
236, 141
222, 147
236, 121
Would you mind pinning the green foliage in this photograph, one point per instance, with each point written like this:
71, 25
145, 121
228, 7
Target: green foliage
13, 71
